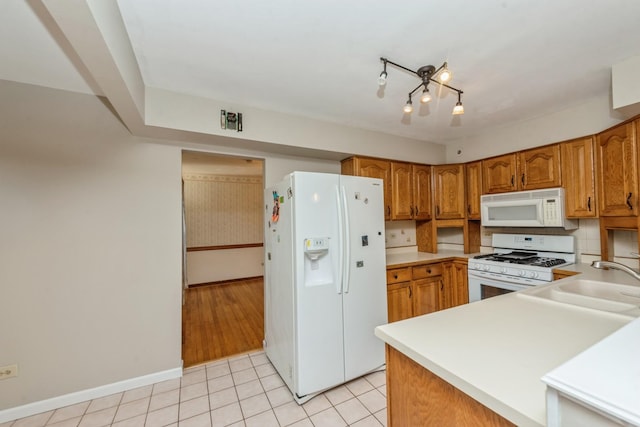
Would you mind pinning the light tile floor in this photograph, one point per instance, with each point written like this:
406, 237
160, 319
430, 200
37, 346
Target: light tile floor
239, 391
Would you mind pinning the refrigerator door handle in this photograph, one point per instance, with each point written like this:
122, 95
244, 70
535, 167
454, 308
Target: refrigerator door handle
340, 236
346, 243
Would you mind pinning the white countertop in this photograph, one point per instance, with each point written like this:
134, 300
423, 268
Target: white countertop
399, 259
606, 376
497, 350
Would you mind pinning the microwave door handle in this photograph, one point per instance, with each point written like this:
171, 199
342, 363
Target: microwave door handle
540, 209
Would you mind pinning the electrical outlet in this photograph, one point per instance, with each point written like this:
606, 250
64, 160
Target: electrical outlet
8, 371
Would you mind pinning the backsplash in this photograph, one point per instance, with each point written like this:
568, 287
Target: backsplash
400, 233
403, 233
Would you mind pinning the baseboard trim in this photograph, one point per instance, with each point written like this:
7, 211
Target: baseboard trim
223, 282
84, 395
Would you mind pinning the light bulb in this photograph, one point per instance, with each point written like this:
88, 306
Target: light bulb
382, 80
408, 107
426, 96
445, 75
458, 109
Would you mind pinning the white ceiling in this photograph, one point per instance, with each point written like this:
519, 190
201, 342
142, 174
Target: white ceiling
514, 59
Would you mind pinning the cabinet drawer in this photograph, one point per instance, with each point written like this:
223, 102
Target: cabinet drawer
427, 270
398, 275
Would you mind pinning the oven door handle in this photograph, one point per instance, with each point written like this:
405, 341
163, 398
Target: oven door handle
495, 279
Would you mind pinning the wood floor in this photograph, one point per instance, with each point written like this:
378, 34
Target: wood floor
221, 320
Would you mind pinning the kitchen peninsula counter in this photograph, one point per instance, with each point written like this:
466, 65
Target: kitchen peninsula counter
497, 350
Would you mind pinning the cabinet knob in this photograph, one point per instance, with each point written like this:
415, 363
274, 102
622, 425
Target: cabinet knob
512, 180
522, 179
395, 276
629, 201
589, 203
429, 271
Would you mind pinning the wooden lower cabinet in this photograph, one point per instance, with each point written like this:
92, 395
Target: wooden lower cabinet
426, 295
425, 288
417, 397
561, 274
457, 290
399, 301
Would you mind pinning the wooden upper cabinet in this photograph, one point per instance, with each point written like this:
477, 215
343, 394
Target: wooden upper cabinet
421, 175
617, 165
524, 170
372, 168
449, 197
474, 188
401, 191
578, 177
407, 186
539, 168
499, 174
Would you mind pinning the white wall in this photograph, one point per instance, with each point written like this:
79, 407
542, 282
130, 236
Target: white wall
285, 132
585, 119
90, 237
224, 264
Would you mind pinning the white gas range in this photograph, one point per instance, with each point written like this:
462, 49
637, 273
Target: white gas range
518, 262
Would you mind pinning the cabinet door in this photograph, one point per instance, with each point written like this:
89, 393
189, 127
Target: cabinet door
455, 290
421, 175
617, 157
449, 197
499, 174
399, 301
578, 178
539, 168
372, 168
401, 191
460, 285
474, 188
426, 295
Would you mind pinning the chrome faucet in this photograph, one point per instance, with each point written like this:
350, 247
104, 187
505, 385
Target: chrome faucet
616, 266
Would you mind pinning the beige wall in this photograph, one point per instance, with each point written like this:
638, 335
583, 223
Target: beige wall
90, 247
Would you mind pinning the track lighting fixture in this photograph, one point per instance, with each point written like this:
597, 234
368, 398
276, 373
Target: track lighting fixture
426, 96
382, 80
408, 107
427, 74
459, 108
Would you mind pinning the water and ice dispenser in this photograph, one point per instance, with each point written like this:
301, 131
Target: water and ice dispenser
318, 269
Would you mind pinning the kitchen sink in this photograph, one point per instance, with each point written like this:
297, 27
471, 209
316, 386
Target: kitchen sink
602, 296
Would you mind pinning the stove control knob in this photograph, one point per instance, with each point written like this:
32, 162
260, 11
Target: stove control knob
521, 273
487, 268
475, 267
503, 270
533, 274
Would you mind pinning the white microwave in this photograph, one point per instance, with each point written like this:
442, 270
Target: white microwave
535, 208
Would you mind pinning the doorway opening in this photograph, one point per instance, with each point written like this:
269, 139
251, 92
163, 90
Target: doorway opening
223, 285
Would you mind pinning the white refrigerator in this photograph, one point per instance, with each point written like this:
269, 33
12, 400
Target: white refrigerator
325, 279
